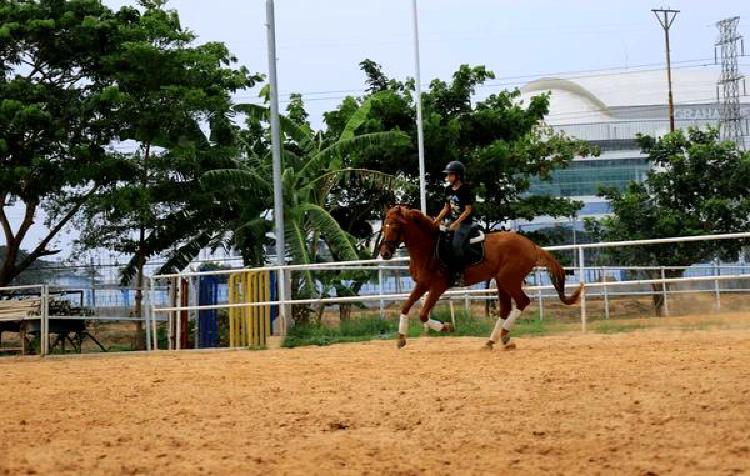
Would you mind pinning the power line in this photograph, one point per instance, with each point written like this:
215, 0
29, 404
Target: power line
512, 80
515, 80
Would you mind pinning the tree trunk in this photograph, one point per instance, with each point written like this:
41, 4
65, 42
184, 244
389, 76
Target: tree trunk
345, 312
7, 269
140, 334
658, 299
10, 268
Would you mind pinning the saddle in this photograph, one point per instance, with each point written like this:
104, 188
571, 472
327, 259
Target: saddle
473, 254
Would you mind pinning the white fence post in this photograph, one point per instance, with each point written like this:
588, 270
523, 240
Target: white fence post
170, 317
606, 294
148, 315
467, 304
717, 289
44, 324
538, 281
582, 271
665, 305
195, 295
154, 333
178, 316
380, 287
285, 311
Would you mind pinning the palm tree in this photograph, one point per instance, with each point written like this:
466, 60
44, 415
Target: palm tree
310, 169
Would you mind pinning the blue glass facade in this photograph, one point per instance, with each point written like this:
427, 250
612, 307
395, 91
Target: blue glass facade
584, 177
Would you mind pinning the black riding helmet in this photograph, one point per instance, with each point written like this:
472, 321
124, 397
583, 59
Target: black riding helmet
455, 167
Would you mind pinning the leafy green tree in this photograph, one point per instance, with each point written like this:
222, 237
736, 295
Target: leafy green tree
56, 117
167, 91
698, 186
311, 169
502, 141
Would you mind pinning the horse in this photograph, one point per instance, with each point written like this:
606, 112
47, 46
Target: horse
508, 258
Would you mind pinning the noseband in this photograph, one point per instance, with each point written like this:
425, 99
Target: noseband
392, 244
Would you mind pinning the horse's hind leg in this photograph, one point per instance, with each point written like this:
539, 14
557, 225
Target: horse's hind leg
505, 310
508, 316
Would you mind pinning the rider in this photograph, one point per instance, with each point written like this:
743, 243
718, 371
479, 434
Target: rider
459, 209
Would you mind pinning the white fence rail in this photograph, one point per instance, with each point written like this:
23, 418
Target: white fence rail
602, 289
468, 294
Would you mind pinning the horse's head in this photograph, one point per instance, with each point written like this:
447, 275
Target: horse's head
393, 230
404, 225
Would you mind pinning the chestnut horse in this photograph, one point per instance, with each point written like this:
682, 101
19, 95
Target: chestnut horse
508, 258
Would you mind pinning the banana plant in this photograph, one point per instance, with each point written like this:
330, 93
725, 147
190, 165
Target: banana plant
309, 171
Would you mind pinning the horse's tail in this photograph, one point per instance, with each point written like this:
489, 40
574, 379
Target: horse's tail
557, 275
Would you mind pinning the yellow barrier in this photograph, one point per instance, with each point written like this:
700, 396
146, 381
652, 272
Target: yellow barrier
249, 326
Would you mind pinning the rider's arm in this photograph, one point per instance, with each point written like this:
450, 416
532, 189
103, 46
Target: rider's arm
466, 214
446, 209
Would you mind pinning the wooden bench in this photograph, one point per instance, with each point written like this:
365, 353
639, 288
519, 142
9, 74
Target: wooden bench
14, 313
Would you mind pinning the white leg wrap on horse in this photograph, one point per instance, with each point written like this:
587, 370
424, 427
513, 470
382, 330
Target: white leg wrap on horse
435, 325
403, 324
511, 319
496, 331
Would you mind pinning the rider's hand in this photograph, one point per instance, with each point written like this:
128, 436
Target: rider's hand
454, 226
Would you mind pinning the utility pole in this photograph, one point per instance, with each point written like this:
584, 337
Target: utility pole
278, 196
729, 82
420, 130
666, 17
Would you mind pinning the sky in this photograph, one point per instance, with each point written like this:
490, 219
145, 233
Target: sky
321, 42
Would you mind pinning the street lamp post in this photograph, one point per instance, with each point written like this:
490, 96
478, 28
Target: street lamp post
278, 196
420, 132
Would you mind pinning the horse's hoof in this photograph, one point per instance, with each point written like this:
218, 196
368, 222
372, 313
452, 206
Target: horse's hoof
489, 345
448, 327
510, 346
401, 342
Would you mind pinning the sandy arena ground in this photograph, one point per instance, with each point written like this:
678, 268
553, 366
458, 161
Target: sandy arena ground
650, 402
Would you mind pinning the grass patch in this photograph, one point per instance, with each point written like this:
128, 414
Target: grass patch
347, 331
615, 327
117, 348
365, 329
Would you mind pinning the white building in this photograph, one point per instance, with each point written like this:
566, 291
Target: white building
609, 110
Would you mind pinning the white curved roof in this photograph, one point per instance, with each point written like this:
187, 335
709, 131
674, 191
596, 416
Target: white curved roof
592, 98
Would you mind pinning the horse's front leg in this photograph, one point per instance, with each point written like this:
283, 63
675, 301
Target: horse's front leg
424, 314
403, 324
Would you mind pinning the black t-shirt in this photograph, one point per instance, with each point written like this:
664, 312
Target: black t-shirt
458, 200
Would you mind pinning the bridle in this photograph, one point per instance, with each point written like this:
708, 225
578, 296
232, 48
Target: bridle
391, 245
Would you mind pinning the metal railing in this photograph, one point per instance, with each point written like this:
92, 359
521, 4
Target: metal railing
381, 266
594, 278
42, 317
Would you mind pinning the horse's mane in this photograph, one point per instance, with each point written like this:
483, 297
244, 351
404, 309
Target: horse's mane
423, 221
